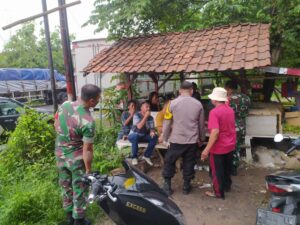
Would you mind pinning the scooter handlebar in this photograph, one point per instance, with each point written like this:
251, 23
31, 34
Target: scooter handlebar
96, 187
109, 191
291, 149
88, 178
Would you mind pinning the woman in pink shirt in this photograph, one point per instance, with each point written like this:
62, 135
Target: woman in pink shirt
221, 143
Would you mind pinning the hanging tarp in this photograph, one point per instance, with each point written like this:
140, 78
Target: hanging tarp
24, 80
282, 70
7, 74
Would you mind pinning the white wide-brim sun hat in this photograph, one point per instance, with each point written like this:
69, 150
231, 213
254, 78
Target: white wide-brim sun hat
219, 94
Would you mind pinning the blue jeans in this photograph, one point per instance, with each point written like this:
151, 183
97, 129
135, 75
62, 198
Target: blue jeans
135, 138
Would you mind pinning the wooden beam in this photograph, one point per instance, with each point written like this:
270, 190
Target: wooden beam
277, 96
278, 91
214, 77
155, 80
39, 15
129, 83
165, 81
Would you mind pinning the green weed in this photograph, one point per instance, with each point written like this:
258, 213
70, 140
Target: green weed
29, 191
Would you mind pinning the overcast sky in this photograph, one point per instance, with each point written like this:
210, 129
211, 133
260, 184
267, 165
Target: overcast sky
13, 10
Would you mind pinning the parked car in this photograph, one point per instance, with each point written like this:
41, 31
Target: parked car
10, 110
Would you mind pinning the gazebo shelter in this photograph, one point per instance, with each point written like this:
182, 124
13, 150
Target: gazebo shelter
225, 49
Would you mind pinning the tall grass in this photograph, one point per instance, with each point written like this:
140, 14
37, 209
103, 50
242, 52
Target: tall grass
29, 191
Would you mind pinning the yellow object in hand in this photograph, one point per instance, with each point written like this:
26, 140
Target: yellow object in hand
168, 114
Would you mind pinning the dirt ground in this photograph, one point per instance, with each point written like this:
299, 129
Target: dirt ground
239, 207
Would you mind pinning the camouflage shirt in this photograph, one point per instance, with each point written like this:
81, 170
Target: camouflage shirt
240, 104
74, 125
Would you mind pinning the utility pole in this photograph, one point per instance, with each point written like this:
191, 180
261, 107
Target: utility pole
65, 39
45, 13
39, 15
50, 58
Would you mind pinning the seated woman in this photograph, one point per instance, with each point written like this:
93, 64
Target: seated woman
154, 103
126, 119
159, 119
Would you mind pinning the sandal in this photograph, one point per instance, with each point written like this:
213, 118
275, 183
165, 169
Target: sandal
210, 194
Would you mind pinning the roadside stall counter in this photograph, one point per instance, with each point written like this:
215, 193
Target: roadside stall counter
264, 121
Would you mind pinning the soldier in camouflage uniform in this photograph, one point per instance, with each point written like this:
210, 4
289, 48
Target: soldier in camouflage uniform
240, 103
75, 129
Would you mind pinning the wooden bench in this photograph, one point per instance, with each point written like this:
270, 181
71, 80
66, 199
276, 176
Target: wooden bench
125, 143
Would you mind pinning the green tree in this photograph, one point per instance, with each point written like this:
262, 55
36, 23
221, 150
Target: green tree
27, 50
123, 18
132, 17
284, 16
20, 51
57, 52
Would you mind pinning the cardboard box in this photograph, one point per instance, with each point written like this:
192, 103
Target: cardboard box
293, 118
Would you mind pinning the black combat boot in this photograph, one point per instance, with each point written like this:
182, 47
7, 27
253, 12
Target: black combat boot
70, 220
82, 222
234, 171
186, 187
167, 186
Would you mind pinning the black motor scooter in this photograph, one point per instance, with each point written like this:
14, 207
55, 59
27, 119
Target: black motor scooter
284, 205
132, 198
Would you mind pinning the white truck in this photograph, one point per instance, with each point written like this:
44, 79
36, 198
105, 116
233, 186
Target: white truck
29, 84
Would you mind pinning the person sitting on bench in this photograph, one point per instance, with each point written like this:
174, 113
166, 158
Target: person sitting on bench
126, 119
142, 131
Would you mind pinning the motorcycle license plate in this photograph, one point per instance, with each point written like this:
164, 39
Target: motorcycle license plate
265, 217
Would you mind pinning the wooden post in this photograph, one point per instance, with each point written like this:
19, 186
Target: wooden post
128, 85
65, 40
50, 59
39, 15
45, 13
268, 88
181, 75
243, 82
101, 109
155, 80
129, 80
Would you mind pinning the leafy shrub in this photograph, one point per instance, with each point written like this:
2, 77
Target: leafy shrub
106, 155
33, 200
111, 99
107, 135
287, 128
29, 191
31, 142
36, 102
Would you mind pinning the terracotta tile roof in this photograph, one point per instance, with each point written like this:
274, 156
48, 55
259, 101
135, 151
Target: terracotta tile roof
234, 47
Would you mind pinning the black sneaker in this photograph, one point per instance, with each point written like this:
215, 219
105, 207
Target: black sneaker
234, 171
227, 189
186, 188
70, 219
167, 187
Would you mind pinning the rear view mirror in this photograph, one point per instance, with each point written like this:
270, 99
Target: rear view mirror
278, 137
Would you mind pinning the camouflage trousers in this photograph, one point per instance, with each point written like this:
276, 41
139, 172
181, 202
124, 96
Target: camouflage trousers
74, 191
236, 152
